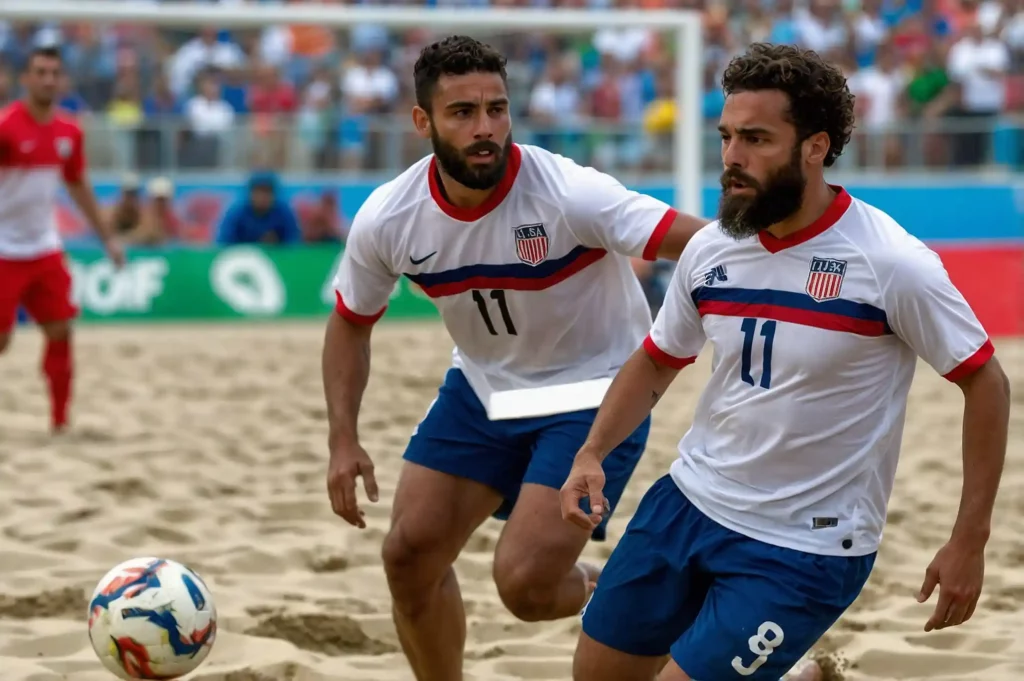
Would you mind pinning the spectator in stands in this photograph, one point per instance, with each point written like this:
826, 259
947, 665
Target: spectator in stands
978, 63
210, 120
880, 90
272, 102
929, 97
159, 224
344, 85
68, 98
200, 53
369, 88
321, 221
124, 113
659, 123
126, 214
91, 64
260, 216
556, 104
18, 44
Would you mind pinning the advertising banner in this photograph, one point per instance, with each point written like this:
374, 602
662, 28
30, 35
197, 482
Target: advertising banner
242, 282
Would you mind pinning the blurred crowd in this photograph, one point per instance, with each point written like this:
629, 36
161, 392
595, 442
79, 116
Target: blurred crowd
938, 82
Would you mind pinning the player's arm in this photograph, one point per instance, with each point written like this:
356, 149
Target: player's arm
605, 214
986, 424
82, 194
76, 181
362, 287
928, 313
676, 338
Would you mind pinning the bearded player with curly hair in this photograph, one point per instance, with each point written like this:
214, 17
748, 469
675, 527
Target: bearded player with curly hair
818, 306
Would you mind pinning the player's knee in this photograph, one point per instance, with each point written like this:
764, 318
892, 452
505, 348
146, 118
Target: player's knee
528, 591
5, 342
57, 331
412, 560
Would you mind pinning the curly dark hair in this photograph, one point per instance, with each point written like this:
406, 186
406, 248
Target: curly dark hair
819, 99
453, 56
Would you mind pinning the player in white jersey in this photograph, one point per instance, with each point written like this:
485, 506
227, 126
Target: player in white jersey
817, 306
40, 149
527, 257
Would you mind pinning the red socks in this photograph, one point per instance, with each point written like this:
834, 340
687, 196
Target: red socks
58, 369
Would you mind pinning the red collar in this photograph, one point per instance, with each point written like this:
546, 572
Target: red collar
515, 159
835, 210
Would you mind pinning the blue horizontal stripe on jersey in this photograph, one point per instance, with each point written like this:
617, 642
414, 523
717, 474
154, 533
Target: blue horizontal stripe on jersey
517, 270
790, 299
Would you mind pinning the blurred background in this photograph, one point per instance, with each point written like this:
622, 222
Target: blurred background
185, 128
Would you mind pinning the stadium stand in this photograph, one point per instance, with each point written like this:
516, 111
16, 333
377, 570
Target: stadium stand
940, 83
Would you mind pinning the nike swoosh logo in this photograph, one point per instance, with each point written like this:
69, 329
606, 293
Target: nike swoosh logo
422, 260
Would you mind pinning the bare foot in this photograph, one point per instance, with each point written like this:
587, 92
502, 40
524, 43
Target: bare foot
810, 672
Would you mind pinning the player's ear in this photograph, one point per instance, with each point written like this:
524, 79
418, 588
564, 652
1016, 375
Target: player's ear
421, 122
816, 148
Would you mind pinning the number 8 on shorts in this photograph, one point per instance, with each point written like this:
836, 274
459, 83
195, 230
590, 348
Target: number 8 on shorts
760, 645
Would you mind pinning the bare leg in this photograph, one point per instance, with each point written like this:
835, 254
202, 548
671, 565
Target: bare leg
597, 662
672, 672
434, 515
535, 566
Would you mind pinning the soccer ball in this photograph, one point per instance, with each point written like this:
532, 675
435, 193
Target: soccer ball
151, 618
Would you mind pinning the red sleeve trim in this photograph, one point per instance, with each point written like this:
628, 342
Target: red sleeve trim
662, 357
355, 317
972, 363
658, 235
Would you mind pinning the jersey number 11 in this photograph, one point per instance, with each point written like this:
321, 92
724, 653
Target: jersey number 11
499, 296
749, 328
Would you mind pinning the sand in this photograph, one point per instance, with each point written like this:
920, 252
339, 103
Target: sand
207, 445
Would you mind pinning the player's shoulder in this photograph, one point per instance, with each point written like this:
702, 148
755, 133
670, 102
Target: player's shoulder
11, 114
710, 242
543, 170
886, 244
65, 123
391, 200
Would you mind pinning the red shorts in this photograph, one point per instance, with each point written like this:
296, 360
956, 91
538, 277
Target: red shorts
41, 285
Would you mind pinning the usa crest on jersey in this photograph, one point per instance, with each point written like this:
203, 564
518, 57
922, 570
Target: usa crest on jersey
531, 243
825, 280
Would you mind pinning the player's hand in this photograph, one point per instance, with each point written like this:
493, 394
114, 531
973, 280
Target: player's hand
115, 251
958, 569
586, 479
347, 463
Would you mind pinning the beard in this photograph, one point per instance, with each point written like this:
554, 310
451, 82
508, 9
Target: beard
454, 162
42, 99
778, 198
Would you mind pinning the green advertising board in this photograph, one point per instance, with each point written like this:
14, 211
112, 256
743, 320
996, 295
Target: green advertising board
241, 282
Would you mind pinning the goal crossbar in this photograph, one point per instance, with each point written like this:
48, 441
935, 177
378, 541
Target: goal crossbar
685, 26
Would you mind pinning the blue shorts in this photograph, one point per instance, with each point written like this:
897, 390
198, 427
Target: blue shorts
724, 605
457, 437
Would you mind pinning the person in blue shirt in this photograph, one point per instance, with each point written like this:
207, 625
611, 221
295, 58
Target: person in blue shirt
261, 216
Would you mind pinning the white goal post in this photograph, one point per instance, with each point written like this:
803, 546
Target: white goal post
684, 26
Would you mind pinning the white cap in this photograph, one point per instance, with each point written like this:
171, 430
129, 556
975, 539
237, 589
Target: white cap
160, 187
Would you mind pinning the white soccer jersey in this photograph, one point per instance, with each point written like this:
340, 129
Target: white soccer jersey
534, 286
34, 159
796, 436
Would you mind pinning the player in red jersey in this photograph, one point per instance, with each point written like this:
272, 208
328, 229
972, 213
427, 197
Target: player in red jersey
40, 149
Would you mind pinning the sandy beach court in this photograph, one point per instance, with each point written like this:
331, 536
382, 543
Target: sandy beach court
206, 445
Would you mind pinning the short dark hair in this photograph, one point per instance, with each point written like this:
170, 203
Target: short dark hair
454, 56
45, 51
819, 98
